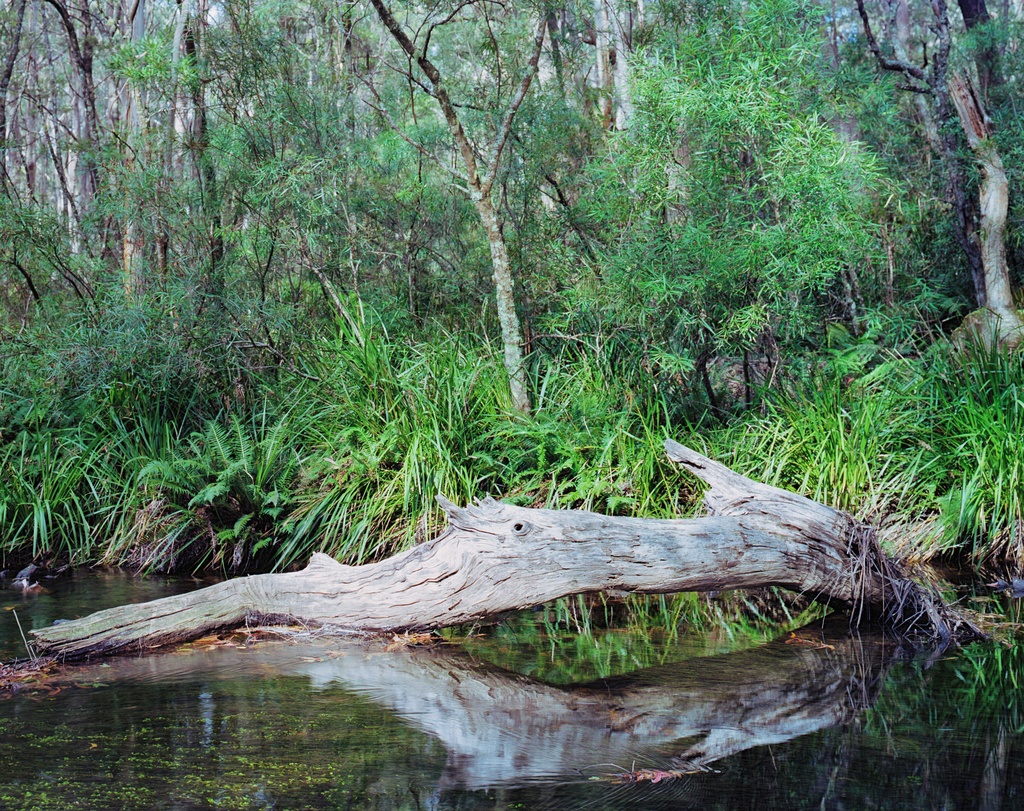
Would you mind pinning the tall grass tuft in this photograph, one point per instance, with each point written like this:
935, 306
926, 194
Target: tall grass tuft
398, 425
393, 426
856, 443
980, 397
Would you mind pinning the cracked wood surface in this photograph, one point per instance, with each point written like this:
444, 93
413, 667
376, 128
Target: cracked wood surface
496, 557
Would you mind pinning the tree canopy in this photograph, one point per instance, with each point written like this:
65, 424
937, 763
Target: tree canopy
265, 264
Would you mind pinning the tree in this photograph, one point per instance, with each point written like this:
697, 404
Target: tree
5, 80
480, 162
979, 227
731, 210
131, 97
81, 186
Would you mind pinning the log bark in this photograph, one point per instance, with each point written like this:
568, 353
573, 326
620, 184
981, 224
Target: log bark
495, 558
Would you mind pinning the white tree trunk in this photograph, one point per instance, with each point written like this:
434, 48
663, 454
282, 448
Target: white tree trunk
132, 237
617, 23
1002, 322
504, 290
603, 63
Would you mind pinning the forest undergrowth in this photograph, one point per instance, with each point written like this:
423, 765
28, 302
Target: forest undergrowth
347, 455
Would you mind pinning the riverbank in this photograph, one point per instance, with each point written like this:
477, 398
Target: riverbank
347, 457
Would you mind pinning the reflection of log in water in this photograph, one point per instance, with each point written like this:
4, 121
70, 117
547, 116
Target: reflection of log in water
502, 728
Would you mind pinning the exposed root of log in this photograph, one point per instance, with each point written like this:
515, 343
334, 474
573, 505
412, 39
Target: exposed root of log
496, 558
871, 584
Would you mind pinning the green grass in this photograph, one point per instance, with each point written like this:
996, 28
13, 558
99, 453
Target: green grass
928, 449
349, 457
981, 400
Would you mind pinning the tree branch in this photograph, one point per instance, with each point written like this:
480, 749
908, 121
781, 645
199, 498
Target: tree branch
501, 138
898, 65
440, 93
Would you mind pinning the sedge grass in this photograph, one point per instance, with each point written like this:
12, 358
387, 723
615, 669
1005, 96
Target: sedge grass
349, 458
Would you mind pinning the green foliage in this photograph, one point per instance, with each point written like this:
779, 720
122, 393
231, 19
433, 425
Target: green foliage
731, 209
981, 397
927, 446
351, 466
228, 486
175, 389
70, 492
173, 352
856, 443
400, 425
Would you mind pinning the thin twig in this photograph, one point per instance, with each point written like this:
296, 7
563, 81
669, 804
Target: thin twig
31, 653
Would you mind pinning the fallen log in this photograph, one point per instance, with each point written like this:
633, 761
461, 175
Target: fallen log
495, 558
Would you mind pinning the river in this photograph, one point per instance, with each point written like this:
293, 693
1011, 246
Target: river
528, 717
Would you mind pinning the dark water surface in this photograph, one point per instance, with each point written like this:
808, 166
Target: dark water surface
816, 720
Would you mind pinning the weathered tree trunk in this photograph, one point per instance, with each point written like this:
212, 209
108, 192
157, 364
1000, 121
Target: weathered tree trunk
603, 64
131, 243
496, 558
1000, 321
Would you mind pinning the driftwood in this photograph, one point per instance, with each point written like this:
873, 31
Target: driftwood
496, 558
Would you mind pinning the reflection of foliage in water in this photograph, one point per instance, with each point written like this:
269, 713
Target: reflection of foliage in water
578, 639
941, 733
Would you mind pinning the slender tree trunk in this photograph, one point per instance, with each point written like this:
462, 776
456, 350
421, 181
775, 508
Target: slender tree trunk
620, 70
131, 242
206, 172
31, 118
480, 175
511, 331
81, 48
5, 82
602, 46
